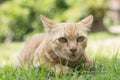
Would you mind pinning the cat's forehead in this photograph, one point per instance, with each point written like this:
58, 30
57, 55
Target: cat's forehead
71, 29
68, 27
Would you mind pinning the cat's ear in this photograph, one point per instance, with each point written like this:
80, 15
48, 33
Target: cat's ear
48, 24
87, 22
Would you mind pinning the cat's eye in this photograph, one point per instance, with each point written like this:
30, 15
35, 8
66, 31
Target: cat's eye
62, 40
80, 39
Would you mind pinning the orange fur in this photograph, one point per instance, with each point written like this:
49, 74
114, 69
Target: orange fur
45, 49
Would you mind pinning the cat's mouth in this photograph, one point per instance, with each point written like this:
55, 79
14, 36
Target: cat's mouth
73, 56
70, 56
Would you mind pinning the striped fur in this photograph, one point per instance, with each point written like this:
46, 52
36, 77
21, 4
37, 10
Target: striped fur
45, 49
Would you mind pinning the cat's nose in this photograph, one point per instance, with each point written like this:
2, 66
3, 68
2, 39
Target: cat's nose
73, 50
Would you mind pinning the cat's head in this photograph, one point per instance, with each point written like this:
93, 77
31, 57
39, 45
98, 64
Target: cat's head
68, 40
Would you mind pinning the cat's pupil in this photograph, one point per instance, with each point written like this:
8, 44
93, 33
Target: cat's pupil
80, 39
62, 40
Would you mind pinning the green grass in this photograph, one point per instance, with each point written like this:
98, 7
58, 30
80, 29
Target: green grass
105, 69
106, 64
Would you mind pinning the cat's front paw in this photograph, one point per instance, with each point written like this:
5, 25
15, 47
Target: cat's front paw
62, 69
89, 63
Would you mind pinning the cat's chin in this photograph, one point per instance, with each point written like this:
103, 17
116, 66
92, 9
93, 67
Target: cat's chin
69, 58
72, 58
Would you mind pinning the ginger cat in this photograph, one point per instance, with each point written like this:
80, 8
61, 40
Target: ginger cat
62, 46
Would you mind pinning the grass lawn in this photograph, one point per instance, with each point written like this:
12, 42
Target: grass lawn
106, 62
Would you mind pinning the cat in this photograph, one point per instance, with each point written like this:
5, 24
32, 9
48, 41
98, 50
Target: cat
62, 46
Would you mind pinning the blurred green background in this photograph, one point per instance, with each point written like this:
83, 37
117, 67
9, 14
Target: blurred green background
20, 18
